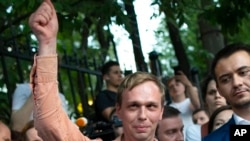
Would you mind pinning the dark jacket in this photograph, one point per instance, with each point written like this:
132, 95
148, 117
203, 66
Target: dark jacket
222, 133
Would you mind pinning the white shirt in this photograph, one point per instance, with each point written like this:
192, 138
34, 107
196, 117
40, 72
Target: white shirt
240, 121
185, 109
23, 92
186, 112
193, 133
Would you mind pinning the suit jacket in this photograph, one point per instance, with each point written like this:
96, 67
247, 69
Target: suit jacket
222, 133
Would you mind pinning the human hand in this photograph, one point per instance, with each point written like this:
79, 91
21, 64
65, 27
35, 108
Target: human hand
183, 78
44, 24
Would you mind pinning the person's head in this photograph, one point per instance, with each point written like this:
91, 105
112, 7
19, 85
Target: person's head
170, 128
111, 73
30, 133
176, 88
140, 101
5, 134
231, 70
200, 116
210, 95
219, 117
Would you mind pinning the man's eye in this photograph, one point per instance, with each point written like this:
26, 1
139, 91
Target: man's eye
118, 72
152, 106
225, 80
133, 106
170, 132
244, 72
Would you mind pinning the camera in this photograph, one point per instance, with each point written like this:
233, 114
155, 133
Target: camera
103, 130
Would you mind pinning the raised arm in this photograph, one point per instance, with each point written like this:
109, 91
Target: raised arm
44, 24
51, 121
191, 90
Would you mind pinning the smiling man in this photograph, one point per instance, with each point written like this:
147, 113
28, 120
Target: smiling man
140, 97
231, 70
139, 105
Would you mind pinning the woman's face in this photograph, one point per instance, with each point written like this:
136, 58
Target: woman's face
213, 99
222, 118
176, 88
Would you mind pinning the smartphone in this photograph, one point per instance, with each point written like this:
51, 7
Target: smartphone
177, 69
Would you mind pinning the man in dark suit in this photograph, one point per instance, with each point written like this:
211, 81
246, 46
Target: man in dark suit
231, 70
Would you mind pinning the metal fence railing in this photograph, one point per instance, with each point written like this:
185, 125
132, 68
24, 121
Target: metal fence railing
79, 80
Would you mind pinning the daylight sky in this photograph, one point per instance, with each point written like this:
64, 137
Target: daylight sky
146, 27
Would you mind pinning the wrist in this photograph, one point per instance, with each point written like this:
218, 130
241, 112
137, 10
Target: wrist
47, 47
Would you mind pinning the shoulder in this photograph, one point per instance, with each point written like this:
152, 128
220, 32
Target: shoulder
187, 100
193, 133
223, 133
23, 88
217, 135
194, 127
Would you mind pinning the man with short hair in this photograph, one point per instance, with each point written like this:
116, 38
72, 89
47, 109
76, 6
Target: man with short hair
105, 100
231, 70
140, 96
140, 101
170, 128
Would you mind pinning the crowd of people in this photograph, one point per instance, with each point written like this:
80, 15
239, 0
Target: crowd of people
136, 101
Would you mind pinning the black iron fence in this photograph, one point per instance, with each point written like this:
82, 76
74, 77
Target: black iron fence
79, 78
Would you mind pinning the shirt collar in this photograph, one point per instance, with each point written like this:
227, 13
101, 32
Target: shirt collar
240, 121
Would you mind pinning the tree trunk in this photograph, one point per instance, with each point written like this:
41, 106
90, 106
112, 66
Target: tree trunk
178, 48
210, 35
135, 37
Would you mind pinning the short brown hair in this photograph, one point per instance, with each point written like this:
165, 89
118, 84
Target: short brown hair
137, 78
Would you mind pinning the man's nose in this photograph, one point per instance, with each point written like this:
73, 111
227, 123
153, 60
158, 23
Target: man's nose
237, 80
142, 113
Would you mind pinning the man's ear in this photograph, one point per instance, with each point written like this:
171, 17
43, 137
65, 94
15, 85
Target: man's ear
106, 77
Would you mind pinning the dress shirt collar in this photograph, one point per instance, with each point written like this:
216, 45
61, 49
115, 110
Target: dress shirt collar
240, 121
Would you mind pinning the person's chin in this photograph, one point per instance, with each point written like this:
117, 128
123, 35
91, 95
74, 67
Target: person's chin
242, 102
218, 104
142, 136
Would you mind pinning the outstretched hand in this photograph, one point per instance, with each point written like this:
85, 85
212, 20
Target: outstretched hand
44, 24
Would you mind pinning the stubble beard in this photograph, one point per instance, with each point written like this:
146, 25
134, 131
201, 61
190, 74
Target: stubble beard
242, 104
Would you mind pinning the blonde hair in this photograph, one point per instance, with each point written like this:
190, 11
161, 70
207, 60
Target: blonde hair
138, 78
